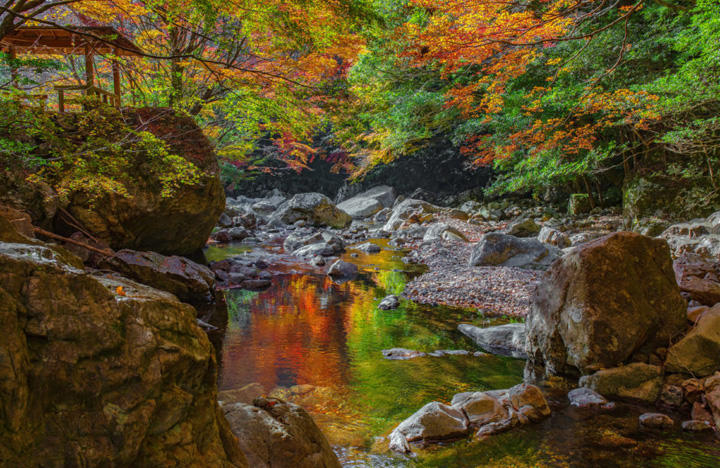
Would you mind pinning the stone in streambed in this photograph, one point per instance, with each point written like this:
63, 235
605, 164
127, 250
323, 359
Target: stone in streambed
591, 311
314, 208
343, 270
586, 398
496, 249
402, 354
277, 434
698, 352
695, 425
636, 381
434, 421
656, 420
368, 247
389, 303
508, 339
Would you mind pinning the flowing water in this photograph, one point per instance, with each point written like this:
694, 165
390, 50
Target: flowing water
317, 343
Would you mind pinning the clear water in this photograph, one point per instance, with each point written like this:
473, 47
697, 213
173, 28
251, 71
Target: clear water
317, 343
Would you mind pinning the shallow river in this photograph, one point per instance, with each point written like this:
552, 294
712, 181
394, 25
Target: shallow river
318, 344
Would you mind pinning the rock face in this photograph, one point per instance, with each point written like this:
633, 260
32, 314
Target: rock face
314, 208
276, 434
496, 249
189, 281
508, 339
101, 371
636, 381
604, 301
698, 352
144, 219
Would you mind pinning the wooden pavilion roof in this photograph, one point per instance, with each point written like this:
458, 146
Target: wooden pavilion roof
43, 40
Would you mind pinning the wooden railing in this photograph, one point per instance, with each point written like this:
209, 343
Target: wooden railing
102, 95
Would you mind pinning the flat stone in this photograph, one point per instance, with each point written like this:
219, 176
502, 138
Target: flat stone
586, 398
656, 420
508, 339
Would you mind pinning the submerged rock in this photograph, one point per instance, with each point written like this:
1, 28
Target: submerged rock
508, 339
368, 247
694, 425
102, 371
602, 302
186, 279
402, 354
277, 434
496, 249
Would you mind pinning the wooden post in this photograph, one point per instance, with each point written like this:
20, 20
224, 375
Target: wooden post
116, 79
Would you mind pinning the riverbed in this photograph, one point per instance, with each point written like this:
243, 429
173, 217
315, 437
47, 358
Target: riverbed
319, 344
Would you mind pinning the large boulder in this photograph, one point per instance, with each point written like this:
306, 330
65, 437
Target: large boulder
603, 302
276, 434
698, 277
434, 421
368, 203
98, 370
496, 249
189, 281
698, 352
314, 208
508, 339
146, 218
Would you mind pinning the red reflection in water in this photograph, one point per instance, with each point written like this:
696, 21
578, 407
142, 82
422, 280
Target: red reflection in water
293, 333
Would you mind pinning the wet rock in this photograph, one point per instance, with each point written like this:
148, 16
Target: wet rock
586, 398
672, 395
389, 303
508, 339
453, 352
434, 421
636, 381
98, 370
318, 260
256, 284
591, 312
225, 221
496, 249
695, 425
314, 208
368, 247
698, 352
523, 228
186, 279
656, 420
319, 243
343, 270
554, 237
273, 433
401, 354
234, 234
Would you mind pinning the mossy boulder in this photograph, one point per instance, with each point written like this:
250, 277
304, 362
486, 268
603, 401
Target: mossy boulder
579, 203
672, 198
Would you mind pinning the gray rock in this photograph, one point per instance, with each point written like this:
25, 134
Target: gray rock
314, 208
656, 420
508, 339
389, 303
586, 398
441, 231
480, 408
343, 270
554, 237
434, 421
296, 241
496, 249
404, 210
695, 425
698, 352
368, 247
636, 381
523, 228
360, 208
591, 312
382, 216
401, 354
273, 433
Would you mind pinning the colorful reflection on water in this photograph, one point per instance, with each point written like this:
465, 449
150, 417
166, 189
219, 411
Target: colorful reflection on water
318, 343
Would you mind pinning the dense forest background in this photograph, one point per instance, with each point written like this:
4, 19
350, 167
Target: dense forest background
613, 101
